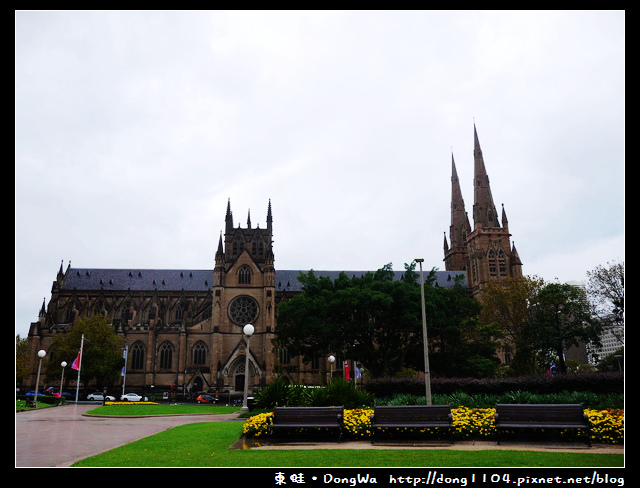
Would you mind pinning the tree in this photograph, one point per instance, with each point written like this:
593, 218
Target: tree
361, 318
102, 351
506, 305
561, 317
459, 345
605, 287
376, 320
24, 364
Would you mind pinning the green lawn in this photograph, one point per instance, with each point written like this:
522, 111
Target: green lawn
207, 445
136, 410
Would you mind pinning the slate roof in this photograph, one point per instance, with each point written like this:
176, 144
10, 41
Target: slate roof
195, 279
138, 279
287, 279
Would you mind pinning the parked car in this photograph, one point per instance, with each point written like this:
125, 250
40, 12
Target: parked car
31, 393
132, 397
98, 396
205, 399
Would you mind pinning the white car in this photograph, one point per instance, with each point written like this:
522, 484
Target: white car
132, 397
100, 397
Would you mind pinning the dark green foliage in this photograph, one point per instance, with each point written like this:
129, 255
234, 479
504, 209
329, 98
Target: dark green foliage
479, 400
337, 392
377, 321
600, 383
277, 393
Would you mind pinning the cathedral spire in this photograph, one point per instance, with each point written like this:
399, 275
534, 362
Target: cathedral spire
459, 228
459, 220
505, 222
43, 309
484, 211
229, 217
220, 251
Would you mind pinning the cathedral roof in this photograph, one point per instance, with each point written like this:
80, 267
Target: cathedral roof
138, 279
195, 279
287, 279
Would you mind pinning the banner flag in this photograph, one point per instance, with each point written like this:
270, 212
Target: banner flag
77, 364
346, 370
76, 361
124, 362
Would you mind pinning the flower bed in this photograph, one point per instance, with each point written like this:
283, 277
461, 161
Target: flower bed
131, 403
607, 426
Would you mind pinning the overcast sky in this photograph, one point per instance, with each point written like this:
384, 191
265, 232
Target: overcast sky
134, 129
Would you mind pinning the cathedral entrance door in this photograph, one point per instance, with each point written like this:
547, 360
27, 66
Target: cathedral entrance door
239, 383
197, 385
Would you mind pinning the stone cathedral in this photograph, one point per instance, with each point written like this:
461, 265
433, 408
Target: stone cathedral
183, 328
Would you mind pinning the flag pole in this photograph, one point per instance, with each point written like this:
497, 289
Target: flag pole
124, 368
79, 367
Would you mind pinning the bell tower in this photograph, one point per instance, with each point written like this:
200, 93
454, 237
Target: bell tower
484, 253
243, 293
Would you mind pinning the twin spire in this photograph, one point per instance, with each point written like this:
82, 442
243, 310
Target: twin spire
484, 210
485, 216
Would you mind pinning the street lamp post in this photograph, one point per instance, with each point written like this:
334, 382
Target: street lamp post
64, 365
41, 353
427, 374
248, 331
332, 359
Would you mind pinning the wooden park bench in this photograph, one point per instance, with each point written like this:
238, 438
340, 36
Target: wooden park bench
308, 417
542, 416
411, 416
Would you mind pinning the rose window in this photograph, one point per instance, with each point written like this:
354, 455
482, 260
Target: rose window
243, 310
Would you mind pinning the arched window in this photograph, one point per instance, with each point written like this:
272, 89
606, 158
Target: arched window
491, 258
502, 263
166, 355
285, 356
199, 353
180, 310
244, 275
136, 356
257, 248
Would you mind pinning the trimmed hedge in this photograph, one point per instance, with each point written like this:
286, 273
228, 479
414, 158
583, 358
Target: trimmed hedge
586, 382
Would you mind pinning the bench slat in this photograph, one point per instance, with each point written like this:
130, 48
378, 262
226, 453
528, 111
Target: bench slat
546, 416
308, 417
411, 416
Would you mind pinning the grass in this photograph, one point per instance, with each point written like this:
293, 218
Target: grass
208, 445
140, 409
22, 405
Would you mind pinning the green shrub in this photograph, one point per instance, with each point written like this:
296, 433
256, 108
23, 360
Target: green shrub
275, 394
600, 383
337, 392
342, 392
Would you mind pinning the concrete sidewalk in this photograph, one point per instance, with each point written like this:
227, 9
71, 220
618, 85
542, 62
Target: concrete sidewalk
455, 446
60, 436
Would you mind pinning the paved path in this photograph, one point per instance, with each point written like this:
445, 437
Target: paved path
60, 436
